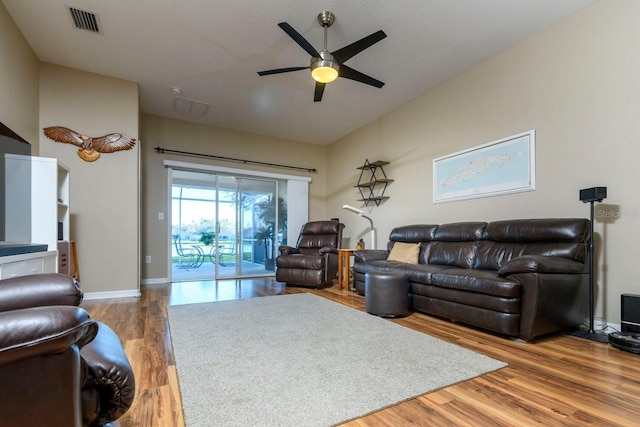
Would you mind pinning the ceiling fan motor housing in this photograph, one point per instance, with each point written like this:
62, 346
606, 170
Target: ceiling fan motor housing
326, 18
325, 69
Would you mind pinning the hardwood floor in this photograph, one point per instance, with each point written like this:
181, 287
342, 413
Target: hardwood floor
556, 381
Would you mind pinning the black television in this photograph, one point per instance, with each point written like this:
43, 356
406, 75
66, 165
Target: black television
12, 144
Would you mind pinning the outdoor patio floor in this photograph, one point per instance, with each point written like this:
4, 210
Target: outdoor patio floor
207, 271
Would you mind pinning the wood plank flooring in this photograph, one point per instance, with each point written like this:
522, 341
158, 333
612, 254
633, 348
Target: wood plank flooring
559, 380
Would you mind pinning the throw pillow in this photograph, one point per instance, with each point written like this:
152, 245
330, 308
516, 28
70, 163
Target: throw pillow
404, 252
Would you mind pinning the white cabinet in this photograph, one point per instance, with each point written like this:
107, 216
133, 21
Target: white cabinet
49, 263
33, 216
12, 269
33, 263
36, 201
62, 192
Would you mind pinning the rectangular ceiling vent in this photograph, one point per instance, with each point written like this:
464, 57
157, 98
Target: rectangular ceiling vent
85, 20
190, 106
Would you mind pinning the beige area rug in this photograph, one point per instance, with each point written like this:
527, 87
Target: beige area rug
302, 360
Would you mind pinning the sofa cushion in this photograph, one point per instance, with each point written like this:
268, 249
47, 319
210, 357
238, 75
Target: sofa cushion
455, 254
413, 233
421, 273
479, 281
495, 255
404, 252
460, 231
538, 230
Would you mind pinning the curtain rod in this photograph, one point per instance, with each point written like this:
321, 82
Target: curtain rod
231, 159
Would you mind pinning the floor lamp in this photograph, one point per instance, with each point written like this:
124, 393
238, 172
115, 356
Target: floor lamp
361, 213
591, 195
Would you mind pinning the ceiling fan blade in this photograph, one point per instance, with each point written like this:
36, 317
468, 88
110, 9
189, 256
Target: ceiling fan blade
341, 55
297, 37
281, 70
317, 96
351, 74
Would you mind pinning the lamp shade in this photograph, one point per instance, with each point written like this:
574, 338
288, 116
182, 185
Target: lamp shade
324, 74
324, 69
352, 209
361, 213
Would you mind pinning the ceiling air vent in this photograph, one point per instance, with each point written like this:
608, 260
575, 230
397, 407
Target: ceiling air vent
85, 20
190, 106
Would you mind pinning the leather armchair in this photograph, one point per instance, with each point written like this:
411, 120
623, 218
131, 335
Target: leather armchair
58, 367
314, 260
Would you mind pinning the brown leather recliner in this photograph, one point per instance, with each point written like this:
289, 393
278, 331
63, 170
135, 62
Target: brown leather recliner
314, 260
58, 367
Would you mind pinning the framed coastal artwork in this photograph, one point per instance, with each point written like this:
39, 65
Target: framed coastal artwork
495, 168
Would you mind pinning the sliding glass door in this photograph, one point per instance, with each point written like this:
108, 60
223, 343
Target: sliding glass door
225, 226
193, 222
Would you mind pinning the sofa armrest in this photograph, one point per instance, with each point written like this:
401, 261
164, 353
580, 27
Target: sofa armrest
368, 255
551, 302
38, 331
541, 264
328, 250
110, 386
288, 250
38, 290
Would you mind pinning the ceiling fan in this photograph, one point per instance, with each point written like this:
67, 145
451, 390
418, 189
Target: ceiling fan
327, 66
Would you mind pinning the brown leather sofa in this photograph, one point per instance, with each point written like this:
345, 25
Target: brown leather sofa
314, 260
58, 367
522, 278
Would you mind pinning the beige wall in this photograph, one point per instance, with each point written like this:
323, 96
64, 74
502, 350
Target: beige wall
104, 194
577, 84
18, 82
183, 136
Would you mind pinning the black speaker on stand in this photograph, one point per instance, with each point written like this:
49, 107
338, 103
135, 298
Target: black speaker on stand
591, 195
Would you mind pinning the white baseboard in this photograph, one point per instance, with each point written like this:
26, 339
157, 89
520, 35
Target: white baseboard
157, 281
133, 293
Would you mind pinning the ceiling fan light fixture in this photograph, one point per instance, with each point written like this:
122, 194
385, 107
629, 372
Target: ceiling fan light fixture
324, 69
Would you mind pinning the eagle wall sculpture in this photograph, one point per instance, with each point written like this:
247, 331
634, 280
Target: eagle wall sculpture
90, 148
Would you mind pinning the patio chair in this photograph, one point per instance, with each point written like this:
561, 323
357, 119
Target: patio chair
188, 257
228, 248
215, 253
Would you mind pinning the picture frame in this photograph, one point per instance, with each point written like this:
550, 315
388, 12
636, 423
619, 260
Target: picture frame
496, 168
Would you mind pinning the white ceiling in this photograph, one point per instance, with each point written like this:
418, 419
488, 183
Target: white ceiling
212, 50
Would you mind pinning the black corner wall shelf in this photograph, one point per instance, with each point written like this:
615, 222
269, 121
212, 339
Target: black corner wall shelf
373, 182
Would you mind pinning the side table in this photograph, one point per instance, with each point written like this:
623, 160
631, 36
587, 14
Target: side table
344, 264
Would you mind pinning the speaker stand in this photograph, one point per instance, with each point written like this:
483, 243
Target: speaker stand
591, 334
